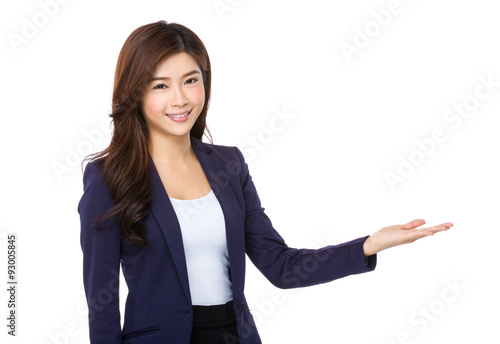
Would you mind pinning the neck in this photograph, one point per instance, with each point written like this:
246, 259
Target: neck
171, 150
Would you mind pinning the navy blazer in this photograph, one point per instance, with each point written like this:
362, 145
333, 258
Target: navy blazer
158, 307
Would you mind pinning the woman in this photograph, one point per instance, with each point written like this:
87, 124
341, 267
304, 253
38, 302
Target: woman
179, 214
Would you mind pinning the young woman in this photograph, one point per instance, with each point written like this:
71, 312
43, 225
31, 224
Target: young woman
178, 215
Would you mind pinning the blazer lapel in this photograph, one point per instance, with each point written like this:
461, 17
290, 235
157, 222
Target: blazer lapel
165, 215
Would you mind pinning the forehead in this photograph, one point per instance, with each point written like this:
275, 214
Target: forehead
176, 65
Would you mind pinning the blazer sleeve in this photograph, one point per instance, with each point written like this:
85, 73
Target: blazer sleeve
101, 260
287, 267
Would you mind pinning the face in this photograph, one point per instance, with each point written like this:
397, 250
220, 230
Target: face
176, 89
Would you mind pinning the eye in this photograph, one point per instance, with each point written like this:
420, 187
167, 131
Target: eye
160, 86
195, 80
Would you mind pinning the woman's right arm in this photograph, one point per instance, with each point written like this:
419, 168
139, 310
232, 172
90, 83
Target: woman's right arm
101, 259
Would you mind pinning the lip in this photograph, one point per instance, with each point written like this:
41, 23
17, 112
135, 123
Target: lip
178, 114
183, 117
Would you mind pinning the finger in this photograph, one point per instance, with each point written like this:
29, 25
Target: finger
419, 233
439, 228
435, 229
413, 224
446, 224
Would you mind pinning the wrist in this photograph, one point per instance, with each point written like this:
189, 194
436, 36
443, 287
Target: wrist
368, 249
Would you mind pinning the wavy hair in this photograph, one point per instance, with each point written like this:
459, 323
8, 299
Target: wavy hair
125, 162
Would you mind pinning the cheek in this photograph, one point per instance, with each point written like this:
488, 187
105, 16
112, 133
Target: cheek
198, 95
152, 105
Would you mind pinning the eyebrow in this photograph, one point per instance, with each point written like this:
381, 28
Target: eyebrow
166, 77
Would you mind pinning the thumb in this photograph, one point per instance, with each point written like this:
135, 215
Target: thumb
413, 224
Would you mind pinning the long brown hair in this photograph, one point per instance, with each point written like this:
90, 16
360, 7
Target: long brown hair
125, 162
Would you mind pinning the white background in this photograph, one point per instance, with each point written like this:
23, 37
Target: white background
321, 178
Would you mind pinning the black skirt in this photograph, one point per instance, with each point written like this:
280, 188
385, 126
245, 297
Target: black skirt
214, 325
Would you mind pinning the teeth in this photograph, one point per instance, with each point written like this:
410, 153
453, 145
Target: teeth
179, 116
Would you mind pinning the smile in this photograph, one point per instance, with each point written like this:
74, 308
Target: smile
179, 116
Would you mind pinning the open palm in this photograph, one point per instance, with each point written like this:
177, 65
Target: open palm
399, 235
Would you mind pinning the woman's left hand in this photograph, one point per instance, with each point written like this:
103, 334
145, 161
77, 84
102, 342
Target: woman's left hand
400, 234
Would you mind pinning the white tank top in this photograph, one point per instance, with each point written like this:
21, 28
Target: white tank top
204, 238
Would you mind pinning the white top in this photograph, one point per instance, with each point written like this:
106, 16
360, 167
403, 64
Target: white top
204, 238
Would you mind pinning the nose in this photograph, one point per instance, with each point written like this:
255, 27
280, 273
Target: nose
178, 97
